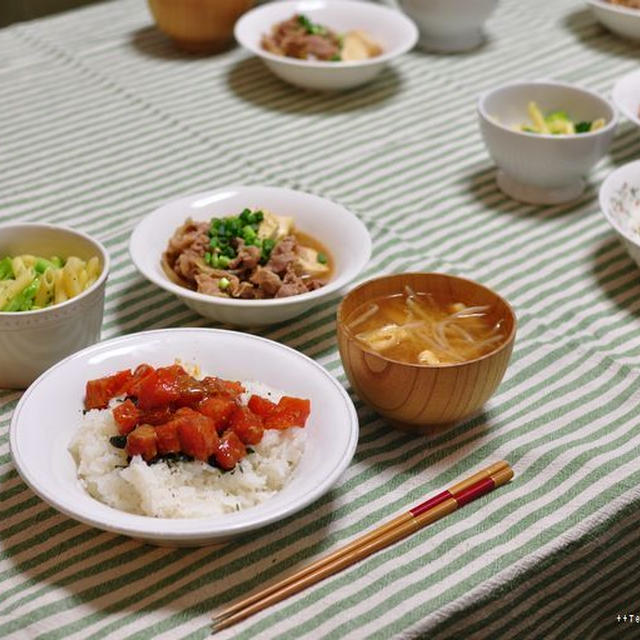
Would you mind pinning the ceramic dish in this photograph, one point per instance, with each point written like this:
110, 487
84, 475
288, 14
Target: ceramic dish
394, 31
198, 26
620, 203
538, 168
31, 341
50, 412
420, 397
623, 21
626, 95
341, 232
448, 25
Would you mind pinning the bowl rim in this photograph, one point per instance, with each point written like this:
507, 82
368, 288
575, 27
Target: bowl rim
321, 64
342, 326
365, 246
485, 95
191, 529
605, 188
615, 94
614, 8
54, 308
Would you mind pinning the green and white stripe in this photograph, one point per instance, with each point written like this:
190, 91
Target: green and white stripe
102, 120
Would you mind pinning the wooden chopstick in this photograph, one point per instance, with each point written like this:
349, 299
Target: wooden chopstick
419, 516
362, 540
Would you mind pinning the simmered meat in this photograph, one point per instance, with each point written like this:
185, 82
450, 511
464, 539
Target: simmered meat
283, 254
255, 255
299, 38
266, 280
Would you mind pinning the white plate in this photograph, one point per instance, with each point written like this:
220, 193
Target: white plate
49, 413
339, 230
395, 32
620, 204
623, 21
626, 96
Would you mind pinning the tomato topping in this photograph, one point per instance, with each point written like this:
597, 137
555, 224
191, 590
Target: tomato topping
140, 373
167, 437
230, 450
197, 433
156, 416
100, 391
168, 411
247, 425
127, 416
261, 406
219, 409
218, 386
142, 442
289, 412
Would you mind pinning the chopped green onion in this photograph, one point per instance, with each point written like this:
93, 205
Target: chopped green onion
223, 262
583, 127
322, 258
248, 233
336, 57
207, 258
224, 283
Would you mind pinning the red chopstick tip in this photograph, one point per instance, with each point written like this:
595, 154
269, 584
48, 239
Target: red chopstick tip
430, 503
475, 491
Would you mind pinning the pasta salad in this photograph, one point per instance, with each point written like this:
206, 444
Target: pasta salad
29, 283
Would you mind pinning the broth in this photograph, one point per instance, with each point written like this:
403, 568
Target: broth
417, 328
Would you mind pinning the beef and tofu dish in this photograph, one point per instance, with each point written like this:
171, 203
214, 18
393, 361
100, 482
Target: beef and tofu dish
254, 255
301, 38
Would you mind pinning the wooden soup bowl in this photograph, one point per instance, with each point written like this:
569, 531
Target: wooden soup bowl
419, 397
199, 26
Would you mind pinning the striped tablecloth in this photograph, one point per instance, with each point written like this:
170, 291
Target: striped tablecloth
101, 120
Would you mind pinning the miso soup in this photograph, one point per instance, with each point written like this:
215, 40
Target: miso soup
417, 328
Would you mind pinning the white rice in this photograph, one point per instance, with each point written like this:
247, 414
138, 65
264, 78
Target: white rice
183, 489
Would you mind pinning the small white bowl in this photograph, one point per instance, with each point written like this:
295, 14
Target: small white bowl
626, 96
623, 21
620, 203
341, 232
395, 32
31, 341
48, 416
538, 168
449, 25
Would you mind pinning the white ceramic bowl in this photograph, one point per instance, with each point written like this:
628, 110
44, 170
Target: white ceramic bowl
623, 21
626, 96
620, 203
395, 32
346, 238
543, 169
449, 25
31, 341
50, 411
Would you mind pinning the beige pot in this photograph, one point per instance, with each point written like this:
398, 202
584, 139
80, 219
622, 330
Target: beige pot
198, 26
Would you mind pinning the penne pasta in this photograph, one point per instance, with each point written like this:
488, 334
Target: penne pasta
29, 282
